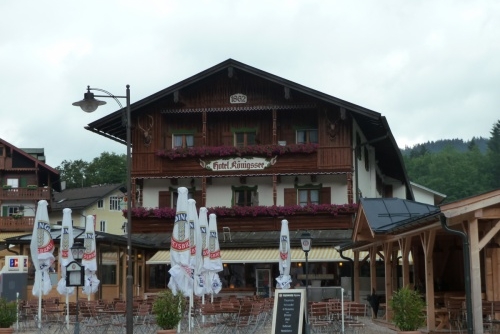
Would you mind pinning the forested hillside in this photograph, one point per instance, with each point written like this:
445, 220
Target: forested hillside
439, 145
455, 167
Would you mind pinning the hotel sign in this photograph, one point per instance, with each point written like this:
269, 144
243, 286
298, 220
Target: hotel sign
234, 164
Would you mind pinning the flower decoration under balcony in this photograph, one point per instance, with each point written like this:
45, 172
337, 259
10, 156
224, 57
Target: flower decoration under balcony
225, 151
252, 211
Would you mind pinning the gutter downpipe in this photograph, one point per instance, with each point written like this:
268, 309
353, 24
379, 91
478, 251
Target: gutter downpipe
468, 297
352, 272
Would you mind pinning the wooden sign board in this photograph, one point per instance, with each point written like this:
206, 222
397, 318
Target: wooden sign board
288, 315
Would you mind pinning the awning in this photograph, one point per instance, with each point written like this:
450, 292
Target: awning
7, 235
267, 255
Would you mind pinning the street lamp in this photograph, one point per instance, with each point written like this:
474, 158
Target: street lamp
90, 104
75, 276
306, 241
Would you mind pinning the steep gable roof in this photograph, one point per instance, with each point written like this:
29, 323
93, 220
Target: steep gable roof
373, 124
52, 173
81, 198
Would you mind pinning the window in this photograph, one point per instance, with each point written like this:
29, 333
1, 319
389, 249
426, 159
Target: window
114, 203
242, 139
102, 226
245, 196
183, 141
100, 204
13, 183
176, 195
307, 136
13, 210
308, 196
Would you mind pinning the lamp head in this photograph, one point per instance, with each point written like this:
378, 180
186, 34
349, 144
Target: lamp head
89, 103
306, 241
77, 251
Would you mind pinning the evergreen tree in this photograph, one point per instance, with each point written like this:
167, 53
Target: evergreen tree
494, 155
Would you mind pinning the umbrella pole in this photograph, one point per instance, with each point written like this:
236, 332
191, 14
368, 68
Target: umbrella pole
40, 303
67, 311
190, 310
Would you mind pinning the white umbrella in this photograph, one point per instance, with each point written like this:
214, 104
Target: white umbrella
181, 278
195, 244
41, 247
214, 263
205, 252
65, 257
284, 279
89, 260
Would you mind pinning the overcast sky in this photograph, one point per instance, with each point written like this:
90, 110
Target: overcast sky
431, 67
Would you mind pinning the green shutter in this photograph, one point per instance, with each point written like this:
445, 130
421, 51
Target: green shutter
23, 182
5, 211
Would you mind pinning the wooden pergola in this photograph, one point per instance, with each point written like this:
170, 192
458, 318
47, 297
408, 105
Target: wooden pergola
437, 250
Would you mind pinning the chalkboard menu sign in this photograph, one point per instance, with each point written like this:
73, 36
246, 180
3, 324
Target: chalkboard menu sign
288, 312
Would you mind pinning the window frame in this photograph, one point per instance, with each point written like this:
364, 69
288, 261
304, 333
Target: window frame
174, 195
102, 224
245, 132
100, 203
114, 201
252, 192
307, 133
184, 138
308, 188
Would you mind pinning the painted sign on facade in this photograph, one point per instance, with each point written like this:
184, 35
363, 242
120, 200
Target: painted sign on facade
234, 164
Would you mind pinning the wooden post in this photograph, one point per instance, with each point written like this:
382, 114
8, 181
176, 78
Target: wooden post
427, 238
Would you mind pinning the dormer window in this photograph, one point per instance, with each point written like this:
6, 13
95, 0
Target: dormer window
307, 136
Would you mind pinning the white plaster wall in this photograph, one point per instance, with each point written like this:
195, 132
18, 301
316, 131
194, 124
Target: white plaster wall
422, 195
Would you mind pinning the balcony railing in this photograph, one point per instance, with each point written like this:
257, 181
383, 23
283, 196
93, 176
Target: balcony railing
29, 193
11, 224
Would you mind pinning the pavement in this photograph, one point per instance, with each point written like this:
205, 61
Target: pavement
368, 326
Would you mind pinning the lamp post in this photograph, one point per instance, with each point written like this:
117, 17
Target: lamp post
306, 241
77, 251
90, 104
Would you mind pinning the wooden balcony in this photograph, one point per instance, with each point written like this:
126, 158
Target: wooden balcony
318, 221
25, 194
11, 224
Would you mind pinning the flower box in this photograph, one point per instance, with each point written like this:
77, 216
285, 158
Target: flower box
32, 186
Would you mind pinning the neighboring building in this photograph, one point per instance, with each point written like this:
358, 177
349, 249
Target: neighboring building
425, 195
25, 179
104, 202
255, 149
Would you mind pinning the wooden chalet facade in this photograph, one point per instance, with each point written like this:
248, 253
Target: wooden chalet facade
255, 148
25, 179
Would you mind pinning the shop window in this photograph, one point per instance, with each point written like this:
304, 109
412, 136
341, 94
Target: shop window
307, 136
158, 276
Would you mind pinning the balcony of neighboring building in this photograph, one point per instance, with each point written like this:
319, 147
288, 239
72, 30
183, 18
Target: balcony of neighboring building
31, 192
16, 223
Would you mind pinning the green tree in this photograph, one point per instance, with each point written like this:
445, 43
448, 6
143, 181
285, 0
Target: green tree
494, 155
74, 173
106, 169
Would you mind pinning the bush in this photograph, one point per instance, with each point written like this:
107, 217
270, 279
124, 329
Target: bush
8, 313
408, 307
169, 309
